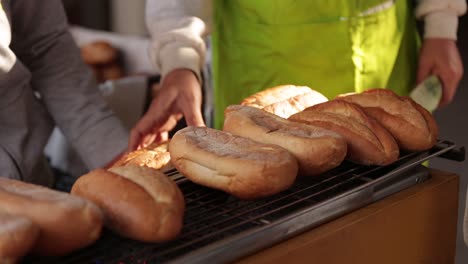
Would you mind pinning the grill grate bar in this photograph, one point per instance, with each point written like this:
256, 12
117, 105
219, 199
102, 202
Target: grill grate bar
104, 250
193, 191
231, 209
279, 198
216, 220
355, 170
191, 232
246, 220
171, 172
202, 196
210, 203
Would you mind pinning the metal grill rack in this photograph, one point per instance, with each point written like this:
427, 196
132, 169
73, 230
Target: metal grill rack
222, 228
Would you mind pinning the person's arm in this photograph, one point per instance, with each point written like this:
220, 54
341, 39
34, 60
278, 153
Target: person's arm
177, 29
439, 54
177, 51
42, 42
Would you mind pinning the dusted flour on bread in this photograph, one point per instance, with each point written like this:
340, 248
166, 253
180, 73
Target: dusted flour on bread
316, 149
236, 165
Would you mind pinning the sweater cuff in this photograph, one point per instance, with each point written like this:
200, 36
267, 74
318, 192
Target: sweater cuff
441, 24
179, 57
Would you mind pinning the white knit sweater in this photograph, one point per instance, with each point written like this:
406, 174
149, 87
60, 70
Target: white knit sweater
177, 28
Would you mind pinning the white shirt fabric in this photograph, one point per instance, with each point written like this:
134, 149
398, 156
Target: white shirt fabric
178, 29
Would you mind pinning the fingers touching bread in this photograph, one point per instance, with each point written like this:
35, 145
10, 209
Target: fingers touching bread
155, 156
98, 53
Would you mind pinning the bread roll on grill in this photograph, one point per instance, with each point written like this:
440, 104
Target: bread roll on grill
285, 100
17, 236
98, 53
155, 156
112, 71
138, 202
66, 222
412, 126
368, 142
316, 149
240, 166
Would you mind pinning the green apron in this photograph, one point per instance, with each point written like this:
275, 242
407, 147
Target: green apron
332, 46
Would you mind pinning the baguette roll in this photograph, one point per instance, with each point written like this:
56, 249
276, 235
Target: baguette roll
240, 166
368, 142
316, 149
284, 100
17, 236
66, 222
412, 126
138, 202
98, 53
155, 156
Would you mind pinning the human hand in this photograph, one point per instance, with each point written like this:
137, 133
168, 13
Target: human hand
180, 95
441, 57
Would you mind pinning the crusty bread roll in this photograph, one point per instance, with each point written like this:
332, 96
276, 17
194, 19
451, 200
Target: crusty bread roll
316, 149
412, 126
112, 71
285, 100
368, 142
98, 53
139, 202
66, 222
17, 236
240, 166
155, 156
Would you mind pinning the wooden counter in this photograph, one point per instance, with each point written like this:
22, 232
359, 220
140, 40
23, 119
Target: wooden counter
417, 225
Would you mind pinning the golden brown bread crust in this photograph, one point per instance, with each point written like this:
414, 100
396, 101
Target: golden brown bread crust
155, 156
66, 222
139, 202
368, 142
236, 165
112, 71
98, 53
316, 149
284, 100
412, 126
17, 236
430, 121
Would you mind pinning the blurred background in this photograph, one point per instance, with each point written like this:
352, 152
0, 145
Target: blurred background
119, 16
121, 24
111, 25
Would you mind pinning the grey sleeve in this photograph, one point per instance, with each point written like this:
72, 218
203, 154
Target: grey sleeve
67, 88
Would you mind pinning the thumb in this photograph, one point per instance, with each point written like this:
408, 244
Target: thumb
143, 127
194, 117
134, 140
156, 115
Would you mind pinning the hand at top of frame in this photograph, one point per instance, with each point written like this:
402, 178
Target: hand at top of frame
180, 95
441, 57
